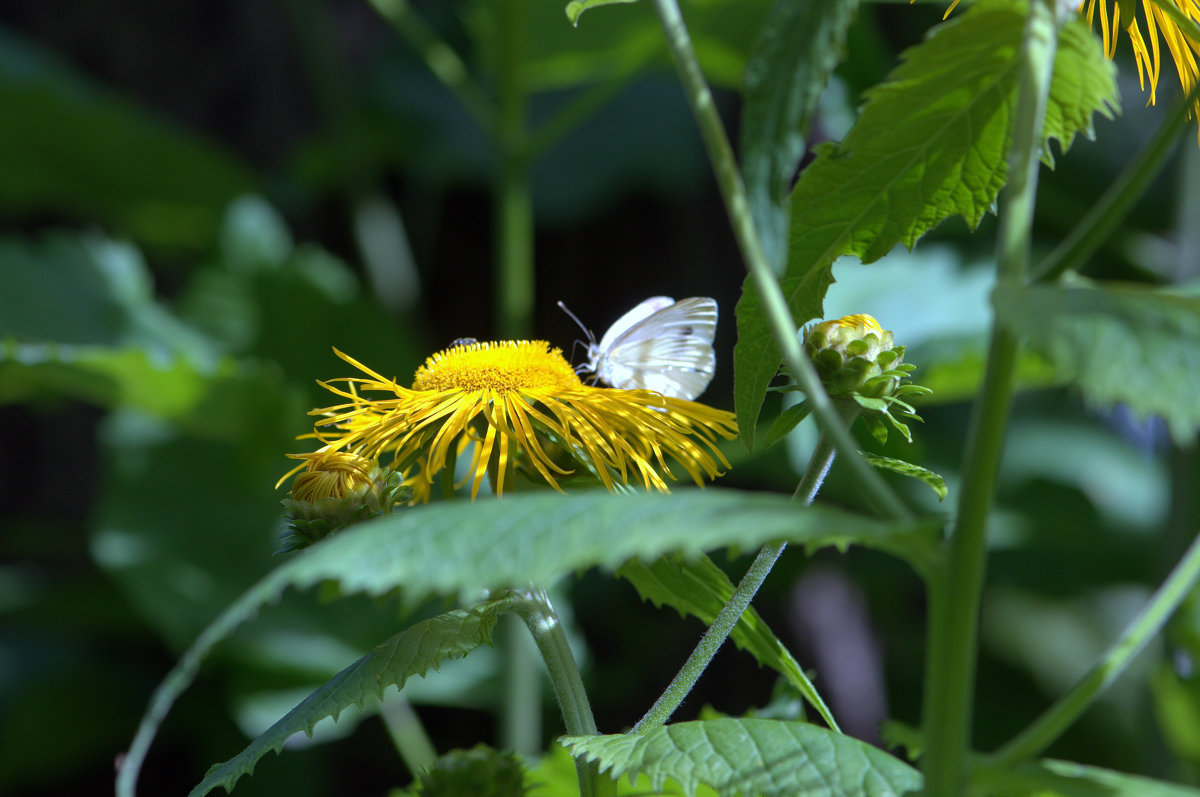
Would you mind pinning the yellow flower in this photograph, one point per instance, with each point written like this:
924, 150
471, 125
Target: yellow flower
1183, 50
330, 474
519, 403
336, 489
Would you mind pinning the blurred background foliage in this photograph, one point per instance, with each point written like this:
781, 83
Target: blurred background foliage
199, 199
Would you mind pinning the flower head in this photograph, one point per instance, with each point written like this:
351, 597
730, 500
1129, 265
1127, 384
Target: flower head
1184, 51
333, 490
518, 406
858, 361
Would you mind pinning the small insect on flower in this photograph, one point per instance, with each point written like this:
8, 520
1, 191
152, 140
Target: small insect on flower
661, 345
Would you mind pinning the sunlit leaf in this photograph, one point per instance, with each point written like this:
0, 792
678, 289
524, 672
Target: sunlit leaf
535, 538
575, 8
931, 143
768, 758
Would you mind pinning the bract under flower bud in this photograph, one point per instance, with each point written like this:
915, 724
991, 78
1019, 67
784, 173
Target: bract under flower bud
858, 361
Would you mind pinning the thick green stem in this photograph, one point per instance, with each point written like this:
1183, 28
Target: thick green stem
732, 611
955, 590
1115, 661
783, 326
539, 616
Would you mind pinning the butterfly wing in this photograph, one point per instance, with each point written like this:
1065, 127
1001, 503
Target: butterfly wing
637, 315
670, 350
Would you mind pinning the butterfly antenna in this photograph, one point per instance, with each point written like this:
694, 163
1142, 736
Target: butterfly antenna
590, 335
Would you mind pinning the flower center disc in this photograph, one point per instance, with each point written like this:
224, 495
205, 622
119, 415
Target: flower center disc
500, 366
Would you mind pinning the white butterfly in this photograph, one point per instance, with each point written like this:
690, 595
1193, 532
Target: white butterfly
660, 345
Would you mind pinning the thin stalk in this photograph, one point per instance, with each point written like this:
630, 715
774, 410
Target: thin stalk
440, 58
955, 591
513, 197
739, 601
408, 734
521, 713
783, 326
1106, 215
542, 621
1108, 668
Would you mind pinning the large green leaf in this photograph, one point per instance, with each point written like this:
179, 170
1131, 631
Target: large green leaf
413, 651
699, 588
66, 146
931, 143
535, 538
797, 49
752, 756
1050, 778
1124, 344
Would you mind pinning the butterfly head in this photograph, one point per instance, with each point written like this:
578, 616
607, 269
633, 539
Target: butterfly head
593, 350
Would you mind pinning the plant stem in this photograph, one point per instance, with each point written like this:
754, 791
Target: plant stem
1108, 668
408, 734
739, 601
513, 198
440, 58
1105, 216
955, 590
783, 326
542, 621
521, 709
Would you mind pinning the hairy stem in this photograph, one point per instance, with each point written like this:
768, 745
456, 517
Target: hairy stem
542, 621
732, 611
783, 327
955, 590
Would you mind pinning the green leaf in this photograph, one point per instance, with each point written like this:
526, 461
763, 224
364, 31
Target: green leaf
751, 756
699, 588
787, 421
797, 49
555, 776
1050, 778
460, 548
935, 482
1120, 343
931, 143
413, 651
575, 8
